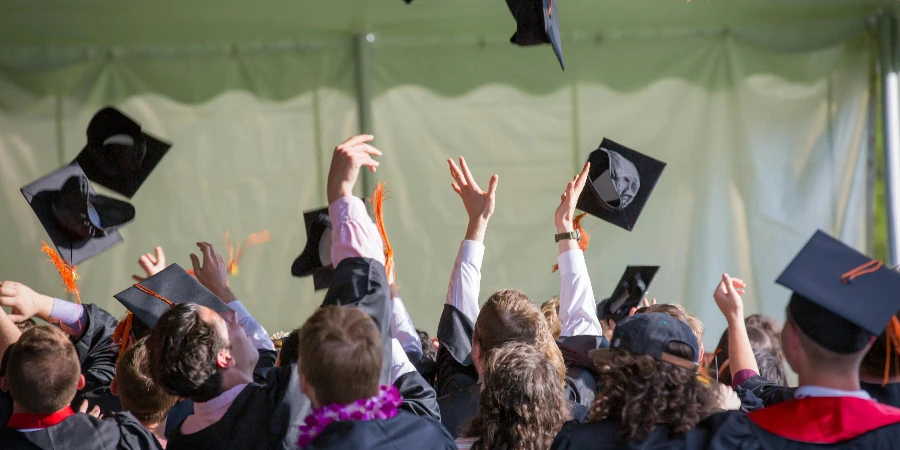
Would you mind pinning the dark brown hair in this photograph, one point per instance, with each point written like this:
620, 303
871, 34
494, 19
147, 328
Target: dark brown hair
550, 309
181, 351
26, 325
43, 370
290, 348
340, 355
760, 340
640, 393
522, 406
509, 316
139, 395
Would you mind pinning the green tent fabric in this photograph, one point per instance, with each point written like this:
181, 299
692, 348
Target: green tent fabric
762, 108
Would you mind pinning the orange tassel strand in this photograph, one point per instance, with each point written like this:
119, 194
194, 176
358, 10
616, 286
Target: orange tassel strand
892, 335
66, 272
585, 237
378, 198
235, 254
122, 334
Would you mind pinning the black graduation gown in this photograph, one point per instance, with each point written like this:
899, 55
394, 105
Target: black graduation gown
405, 431
582, 378
602, 435
888, 394
773, 394
455, 370
81, 431
812, 423
459, 408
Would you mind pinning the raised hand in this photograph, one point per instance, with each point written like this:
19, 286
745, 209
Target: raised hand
728, 298
213, 273
565, 213
24, 301
478, 203
151, 264
346, 161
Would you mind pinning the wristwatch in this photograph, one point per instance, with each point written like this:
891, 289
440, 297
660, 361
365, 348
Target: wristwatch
576, 235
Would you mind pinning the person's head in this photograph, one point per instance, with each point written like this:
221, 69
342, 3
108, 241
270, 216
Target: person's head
196, 353
340, 356
139, 395
550, 309
770, 367
509, 316
678, 312
522, 404
429, 351
43, 373
818, 342
759, 340
26, 325
649, 378
290, 346
766, 324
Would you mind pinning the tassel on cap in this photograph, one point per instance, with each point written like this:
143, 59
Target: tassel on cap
892, 337
585, 237
66, 272
122, 334
378, 198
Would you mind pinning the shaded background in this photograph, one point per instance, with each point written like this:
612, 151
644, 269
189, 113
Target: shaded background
764, 110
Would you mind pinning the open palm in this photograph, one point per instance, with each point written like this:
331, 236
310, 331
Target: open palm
479, 204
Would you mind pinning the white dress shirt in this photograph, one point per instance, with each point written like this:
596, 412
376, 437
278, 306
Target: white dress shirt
403, 329
400, 364
465, 279
252, 328
577, 311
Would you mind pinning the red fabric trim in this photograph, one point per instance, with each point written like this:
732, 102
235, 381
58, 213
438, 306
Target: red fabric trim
825, 420
21, 421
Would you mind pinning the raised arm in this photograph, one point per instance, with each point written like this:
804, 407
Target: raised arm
740, 353
577, 311
403, 330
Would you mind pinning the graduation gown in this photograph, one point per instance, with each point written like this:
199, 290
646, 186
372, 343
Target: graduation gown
459, 408
404, 431
813, 423
582, 378
773, 394
82, 431
602, 435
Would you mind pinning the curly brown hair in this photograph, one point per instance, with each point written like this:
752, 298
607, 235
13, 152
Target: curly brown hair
509, 316
521, 405
640, 393
550, 308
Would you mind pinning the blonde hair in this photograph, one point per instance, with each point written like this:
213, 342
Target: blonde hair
550, 309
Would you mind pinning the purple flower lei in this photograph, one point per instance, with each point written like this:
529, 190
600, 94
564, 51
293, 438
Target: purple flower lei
381, 406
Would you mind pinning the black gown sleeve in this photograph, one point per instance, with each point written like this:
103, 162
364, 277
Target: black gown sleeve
96, 350
418, 396
264, 364
582, 378
362, 282
768, 392
455, 370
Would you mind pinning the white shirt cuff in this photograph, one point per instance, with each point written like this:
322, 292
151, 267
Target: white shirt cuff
252, 328
400, 364
571, 261
471, 252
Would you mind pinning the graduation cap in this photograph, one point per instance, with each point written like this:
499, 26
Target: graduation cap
841, 298
621, 181
150, 299
628, 294
650, 334
118, 154
537, 22
80, 222
315, 259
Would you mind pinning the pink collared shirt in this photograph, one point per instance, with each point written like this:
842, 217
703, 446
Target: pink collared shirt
353, 233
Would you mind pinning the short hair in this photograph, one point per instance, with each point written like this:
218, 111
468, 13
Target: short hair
821, 358
680, 313
181, 351
43, 370
140, 396
770, 367
290, 346
759, 340
428, 350
341, 355
550, 309
509, 316
26, 325
640, 393
521, 405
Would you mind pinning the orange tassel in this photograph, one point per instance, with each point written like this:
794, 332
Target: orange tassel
892, 335
378, 198
235, 254
66, 272
585, 237
122, 334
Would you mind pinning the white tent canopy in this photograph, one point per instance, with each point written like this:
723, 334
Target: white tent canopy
763, 110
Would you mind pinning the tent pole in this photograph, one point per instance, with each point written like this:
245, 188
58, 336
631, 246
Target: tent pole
887, 25
363, 63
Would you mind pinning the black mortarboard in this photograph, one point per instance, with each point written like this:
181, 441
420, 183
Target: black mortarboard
841, 298
650, 334
619, 183
151, 298
80, 222
628, 294
118, 154
537, 22
315, 259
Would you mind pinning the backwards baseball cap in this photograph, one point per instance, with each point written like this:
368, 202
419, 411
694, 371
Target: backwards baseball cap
649, 334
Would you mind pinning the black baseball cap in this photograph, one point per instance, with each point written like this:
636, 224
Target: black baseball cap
841, 298
537, 22
118, 154
632, 288
315, 260
620, 183
649, 334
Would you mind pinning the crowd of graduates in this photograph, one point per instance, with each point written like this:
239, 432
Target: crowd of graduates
189, 367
